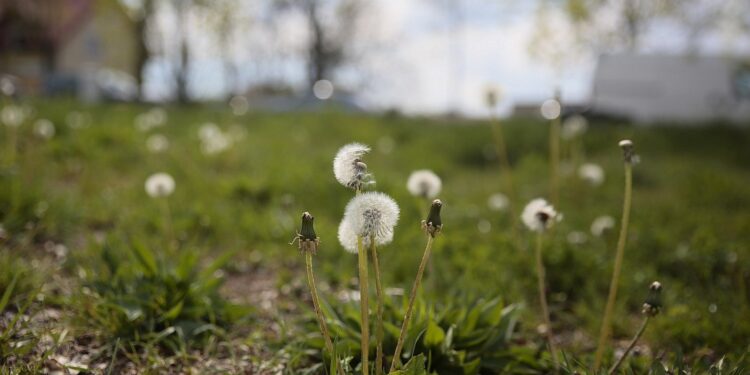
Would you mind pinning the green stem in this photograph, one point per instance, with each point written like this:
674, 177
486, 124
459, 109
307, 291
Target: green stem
364, 304
607, 319
505, 170
630, 347
554, 156
412, 297
380, 297
318, 312
543, 299
167, 212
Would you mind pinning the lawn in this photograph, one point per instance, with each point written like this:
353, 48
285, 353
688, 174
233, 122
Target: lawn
98, 275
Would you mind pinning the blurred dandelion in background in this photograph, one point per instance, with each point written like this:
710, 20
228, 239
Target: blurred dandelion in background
424, 183
573, 127
591, 173
239, 105
602, 224
550, 109
323, 89
159, 185
157, 143
498, 202
44, 128
13, 116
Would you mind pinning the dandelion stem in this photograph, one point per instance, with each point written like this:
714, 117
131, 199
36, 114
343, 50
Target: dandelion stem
379, 293
412, 297
318, 312
543, 299
364, 304
167, 212
505, 170
554, 160
631, 346
607, 319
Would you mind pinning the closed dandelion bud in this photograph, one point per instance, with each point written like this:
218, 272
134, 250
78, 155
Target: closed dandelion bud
433, 224
308, 240
628, 155
653, 304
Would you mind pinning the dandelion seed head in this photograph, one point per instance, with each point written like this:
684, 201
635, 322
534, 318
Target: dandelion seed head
601, 225
44, 128
368, 215
591, 173
577, 238
323, 89
239, 104
7, 87
538, 215
13, 116
574, 126
348, 167
424, 183
159, 185
157, 143
551, 109
498, 202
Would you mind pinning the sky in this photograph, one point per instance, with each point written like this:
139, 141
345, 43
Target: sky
422, 58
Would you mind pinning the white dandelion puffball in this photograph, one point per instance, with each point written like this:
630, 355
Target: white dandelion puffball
573, 127
591, 173
498, 202
368, 215
577, 238
44, 128
348, 238
213, 139
157, 143
348, 167
550, 109
159, 185
539, 215
601, 225
424, 183
13, 116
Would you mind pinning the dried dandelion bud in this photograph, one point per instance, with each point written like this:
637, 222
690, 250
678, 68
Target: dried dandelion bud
308, 240
653, 304
433, 224
628, 155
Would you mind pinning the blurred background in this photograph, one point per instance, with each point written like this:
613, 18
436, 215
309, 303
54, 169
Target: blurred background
244, 103
644, 59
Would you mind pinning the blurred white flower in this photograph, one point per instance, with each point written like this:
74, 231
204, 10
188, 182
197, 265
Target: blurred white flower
157, 143
573, 127
348, 167
424, 183
601, 225
539, 215
159, 185
591, 173
550, 109
213, 139
484, 226
239, 104
497, 202
323, 89
13, 116
368, 215
44, 128
152, 118
577, 237
7, 87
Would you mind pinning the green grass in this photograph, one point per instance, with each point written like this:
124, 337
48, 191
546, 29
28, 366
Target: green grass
690, 225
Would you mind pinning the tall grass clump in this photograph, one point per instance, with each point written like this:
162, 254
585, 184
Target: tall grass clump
629, 158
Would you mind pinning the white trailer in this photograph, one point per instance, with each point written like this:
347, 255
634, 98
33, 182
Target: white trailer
663, 88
